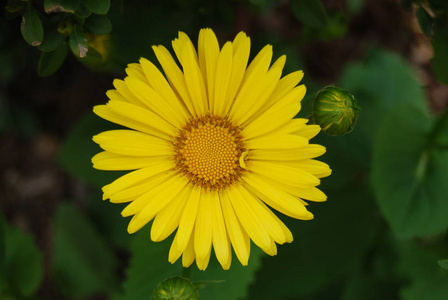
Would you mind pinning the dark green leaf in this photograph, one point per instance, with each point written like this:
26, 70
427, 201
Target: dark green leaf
355, 6
324, 250
83, 264
428, 280
100, 7
55, 6
440, 59
309, 12
443, 263
235, 281
23, 262
409, 174
425, 21
83, 11
148, 266
50, 62
77, 151
31, 27
98, 24
52, 41
78, 42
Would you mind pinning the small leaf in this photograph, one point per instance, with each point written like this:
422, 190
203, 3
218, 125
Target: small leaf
83, 11
78, 42
100, 7
50, 62
23, 262
409, 174
56, 6
443, 263
83, 264
425, 21
52, 41
98, 24
31, 27
440, 59
310, 12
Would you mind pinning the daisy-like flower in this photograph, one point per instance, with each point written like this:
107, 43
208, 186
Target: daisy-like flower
214, 147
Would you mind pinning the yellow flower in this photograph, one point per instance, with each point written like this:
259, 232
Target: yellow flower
214, 145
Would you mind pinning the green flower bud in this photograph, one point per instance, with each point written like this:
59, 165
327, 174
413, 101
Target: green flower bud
65, 27
175, 288
335, 110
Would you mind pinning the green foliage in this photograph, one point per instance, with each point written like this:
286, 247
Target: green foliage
409, 173
83, 264
78, 42
440, 59
98, 24
50, 62
21, 263
324, 250
149, 266
100, 7
443, 263
310, 12
31, 27
427, 279
77, 151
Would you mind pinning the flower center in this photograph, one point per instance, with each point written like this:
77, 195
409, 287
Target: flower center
209, 151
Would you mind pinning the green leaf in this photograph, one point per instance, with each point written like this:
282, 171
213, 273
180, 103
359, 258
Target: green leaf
98, 24
52, 41
31, 27
324, 250
100, 7
83, 264
50, 62
23, 262
56, 6
440, 59
235, 281
425, 21
427, 280
78, 149
409, 174
309, 12
148, 266
355, 6
443, 263
78, 42
83, 11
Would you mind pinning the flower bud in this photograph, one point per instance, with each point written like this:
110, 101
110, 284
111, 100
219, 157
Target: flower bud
65, 27
176, 287
335, 110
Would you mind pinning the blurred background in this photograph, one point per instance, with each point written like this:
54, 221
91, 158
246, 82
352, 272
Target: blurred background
382, 234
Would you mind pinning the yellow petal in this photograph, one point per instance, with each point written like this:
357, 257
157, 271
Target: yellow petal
239, 238
220, 241
222, 80
203, 230
188, 256
241, 51
167, 220
152, 100
195, 81
111, 161
209, 51
125, 93
175, 252
276, 197
310, 151
249, 220
277, 141
132, 143
158, 82
135, 70
174, 75
188, 218
283, 173
135, 177
161, 128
